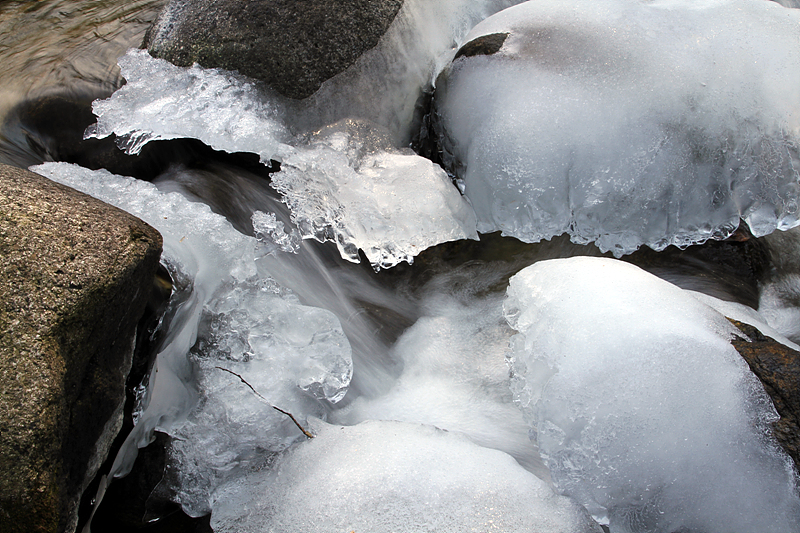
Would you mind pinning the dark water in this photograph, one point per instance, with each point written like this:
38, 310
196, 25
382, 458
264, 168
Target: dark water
55, 58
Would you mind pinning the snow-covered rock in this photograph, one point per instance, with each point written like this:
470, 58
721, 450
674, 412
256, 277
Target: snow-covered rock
642, 409
625, 122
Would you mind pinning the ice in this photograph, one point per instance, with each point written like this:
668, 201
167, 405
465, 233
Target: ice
642, 409
389, 476
189, 229
161, 101
454, 377
421, 40
628, 122
389, 203
268, 228
236, 317
330, 199
290, 354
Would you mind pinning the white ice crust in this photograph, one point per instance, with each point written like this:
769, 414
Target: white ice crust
385, 477
161, 101
267, 228
237, 318
642, 409
630, 122
389, 203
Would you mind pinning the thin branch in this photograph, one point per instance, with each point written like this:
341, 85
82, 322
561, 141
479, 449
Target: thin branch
296, 423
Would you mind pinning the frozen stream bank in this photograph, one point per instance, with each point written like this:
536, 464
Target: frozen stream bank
491, 394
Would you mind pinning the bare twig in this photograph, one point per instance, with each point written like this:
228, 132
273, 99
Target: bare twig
296, 423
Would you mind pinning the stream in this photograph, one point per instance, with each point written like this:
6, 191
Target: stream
460, 360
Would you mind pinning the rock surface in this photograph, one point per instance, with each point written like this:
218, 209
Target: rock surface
75, 275
293, 45
778, 368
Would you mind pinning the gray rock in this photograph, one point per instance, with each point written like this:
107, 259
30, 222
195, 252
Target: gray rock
75, 276
292, 45
485, 45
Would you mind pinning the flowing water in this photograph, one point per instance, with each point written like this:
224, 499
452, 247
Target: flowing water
293, 277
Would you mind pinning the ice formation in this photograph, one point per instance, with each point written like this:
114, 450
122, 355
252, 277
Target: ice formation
627, 122
281, 348
161, 101
382, 477
454, 377
267, 227
652, 423
389, 203
642, 409
237, 318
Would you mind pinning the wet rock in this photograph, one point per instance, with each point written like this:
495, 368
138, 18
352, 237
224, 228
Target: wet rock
292, 45
731, 270
778, 368
75, 275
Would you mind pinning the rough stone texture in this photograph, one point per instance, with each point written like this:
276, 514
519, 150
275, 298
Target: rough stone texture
778, 368
485, 45
292, 45
75, 275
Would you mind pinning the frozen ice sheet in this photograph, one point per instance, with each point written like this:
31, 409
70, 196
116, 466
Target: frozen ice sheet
390, 203
643, 410
629, 122
161, 101
362, 194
